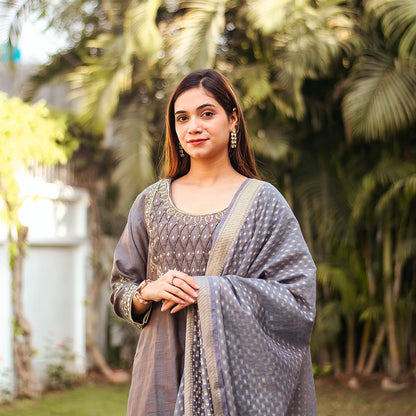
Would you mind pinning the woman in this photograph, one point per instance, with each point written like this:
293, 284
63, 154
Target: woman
213, 267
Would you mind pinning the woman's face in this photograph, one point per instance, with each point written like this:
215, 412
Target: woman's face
202, 125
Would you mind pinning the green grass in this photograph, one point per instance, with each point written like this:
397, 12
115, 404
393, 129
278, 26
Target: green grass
334, 399
90, 400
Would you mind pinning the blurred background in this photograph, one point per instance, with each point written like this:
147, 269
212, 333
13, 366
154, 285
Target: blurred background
329, 93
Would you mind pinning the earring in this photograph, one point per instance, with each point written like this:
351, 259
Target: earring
233, 139
181, 152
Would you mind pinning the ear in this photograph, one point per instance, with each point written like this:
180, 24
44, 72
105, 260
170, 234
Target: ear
233, 118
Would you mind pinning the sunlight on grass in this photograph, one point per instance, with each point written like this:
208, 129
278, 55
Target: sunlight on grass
110, 400
91, 400
335, 399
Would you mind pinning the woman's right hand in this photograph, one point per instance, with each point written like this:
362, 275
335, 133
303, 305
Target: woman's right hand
174, 287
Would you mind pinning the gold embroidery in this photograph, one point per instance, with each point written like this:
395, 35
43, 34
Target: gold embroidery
119, 284
127, 299
177, 240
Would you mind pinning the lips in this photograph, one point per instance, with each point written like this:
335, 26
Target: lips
196, 141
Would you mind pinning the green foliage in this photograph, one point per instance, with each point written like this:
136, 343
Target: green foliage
199, 23
380, 100
328, 93
398, 22
59, 368
28, 133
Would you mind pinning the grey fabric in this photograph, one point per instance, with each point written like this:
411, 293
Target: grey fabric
252, 325
158, 237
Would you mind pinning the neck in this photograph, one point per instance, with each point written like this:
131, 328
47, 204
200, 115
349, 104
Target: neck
205, 172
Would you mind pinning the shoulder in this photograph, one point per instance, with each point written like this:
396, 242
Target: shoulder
268, 192
148, 193
269, 200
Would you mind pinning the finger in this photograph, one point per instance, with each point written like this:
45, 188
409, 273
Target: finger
178, 293
167, 304
186, 278
185, 287
178, 308
175, 295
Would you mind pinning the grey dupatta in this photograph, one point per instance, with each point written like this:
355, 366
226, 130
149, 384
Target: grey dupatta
247, 340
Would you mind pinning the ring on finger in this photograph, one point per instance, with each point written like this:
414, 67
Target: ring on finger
172, 281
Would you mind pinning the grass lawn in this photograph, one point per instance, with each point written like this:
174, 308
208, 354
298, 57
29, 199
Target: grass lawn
89, 400
334, 399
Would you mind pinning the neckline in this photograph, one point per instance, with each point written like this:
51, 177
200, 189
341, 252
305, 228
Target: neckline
172, 204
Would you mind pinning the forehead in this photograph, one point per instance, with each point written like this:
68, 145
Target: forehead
193, 98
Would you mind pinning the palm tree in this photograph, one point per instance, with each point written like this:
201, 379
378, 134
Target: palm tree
314, 79
379, 100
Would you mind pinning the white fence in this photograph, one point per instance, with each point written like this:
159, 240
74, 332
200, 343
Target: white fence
55, 277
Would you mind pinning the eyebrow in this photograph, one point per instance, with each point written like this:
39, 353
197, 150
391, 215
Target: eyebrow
198, 108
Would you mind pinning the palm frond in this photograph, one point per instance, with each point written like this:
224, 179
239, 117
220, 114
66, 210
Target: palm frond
271, 144
328, 323
406, 249
134, 170
339, 281
194, 36
270, 16
404, 186
380, 100
375, 185
12, 16
98, 83
56, 69
372, 313
311, 42
252, 82
141, 33
398, 22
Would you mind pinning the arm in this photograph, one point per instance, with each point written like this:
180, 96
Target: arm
131, 297
129, 266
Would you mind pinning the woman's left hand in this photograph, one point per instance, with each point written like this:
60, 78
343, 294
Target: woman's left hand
171, 304
176, 307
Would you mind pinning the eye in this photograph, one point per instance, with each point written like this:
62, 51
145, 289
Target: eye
207, 114
181, 119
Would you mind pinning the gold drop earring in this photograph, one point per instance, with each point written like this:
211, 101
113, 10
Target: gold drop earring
181, 152
233, 139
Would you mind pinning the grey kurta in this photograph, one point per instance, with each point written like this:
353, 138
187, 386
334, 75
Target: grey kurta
254, 358
154, 241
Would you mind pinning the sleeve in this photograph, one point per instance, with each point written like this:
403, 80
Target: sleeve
130, 264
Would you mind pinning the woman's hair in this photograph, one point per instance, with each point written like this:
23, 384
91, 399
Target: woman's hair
221, 89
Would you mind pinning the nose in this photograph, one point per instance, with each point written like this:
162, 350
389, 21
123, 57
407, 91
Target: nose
194, 126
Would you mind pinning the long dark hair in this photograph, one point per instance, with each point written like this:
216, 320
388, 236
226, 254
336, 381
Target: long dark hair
220, 88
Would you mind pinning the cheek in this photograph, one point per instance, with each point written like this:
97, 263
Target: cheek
179, 131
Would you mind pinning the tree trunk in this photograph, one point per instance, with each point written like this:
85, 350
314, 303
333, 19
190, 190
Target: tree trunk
371, 295
394, 364
99, 278
364, 347
350, 345
375, 351
336, 360
92, 347
389, 304
26, 385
